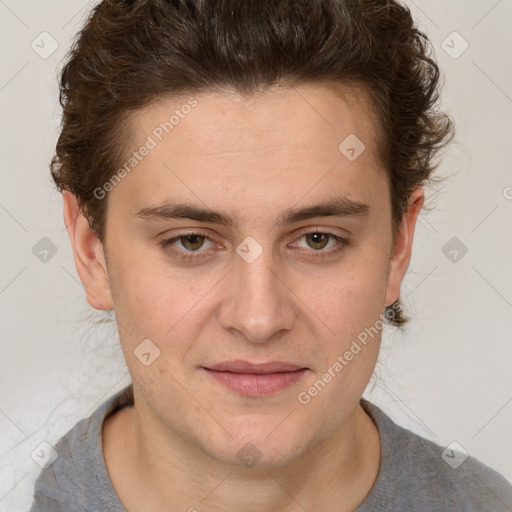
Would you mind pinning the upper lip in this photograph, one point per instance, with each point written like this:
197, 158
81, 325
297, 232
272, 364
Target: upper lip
240, 366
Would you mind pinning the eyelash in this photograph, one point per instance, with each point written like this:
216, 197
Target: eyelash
193, 256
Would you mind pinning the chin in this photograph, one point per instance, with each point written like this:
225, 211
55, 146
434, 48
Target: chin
258, 449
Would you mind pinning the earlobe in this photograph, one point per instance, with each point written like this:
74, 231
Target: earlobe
88, 255
402, 249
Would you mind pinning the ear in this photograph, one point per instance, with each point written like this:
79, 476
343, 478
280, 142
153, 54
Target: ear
88, 253
401, 252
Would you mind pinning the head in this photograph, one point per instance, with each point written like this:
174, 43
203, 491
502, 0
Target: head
242, 181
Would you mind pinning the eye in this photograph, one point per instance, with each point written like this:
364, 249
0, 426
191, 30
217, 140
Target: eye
187, 246
323, 244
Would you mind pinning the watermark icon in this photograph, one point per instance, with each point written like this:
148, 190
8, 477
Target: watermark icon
249, 249
351, 147
249, 455
454, 45
507, 192
454, 250
146, 352
454, 455
151, 142
44, 45
44, 249
304, 397
44, 454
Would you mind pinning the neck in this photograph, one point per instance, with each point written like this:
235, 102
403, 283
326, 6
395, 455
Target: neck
337, 473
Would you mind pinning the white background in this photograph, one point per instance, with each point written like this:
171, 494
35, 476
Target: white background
448, 377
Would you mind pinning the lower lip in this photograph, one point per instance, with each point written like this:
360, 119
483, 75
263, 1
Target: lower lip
251, 384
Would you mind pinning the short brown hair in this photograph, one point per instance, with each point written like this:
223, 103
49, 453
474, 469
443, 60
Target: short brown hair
131, 52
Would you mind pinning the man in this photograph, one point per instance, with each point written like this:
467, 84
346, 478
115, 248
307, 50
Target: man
241, 186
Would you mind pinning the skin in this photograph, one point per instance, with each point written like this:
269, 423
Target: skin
251, 158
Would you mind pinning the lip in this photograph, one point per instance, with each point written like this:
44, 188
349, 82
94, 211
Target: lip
249, 379
241, 366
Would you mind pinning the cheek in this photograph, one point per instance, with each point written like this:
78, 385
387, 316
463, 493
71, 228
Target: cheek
353, 310
147, 295
153, 303
350, 298
351, 306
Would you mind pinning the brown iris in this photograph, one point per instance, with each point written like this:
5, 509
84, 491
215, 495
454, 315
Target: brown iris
192, 242
318, 240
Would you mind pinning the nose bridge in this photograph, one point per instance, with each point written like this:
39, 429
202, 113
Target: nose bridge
258, 305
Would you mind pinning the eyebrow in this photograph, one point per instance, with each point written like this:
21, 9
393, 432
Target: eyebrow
335, 207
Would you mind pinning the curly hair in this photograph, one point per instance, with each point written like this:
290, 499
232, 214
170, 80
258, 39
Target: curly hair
130, 53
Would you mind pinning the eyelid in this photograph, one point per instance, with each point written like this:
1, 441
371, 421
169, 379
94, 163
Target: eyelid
319, 229
169, 240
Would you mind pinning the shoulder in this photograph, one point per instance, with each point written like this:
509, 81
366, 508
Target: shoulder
78, 475
418, 474
63, 478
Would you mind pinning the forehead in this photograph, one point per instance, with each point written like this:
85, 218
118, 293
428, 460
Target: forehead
315, 115
306, 140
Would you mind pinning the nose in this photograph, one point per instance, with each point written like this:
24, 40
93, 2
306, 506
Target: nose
259, 303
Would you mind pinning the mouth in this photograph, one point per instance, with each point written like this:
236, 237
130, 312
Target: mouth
249, 379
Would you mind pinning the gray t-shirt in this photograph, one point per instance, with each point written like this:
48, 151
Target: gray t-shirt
413, 474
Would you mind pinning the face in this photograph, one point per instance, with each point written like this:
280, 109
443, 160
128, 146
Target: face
247, 233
